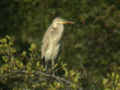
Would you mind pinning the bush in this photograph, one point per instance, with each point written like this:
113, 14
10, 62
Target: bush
23, 70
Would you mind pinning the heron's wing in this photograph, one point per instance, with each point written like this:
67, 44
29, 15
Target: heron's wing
44, 48
46, 42
56, 51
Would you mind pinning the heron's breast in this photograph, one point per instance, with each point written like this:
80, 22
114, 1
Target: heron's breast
57, 34
52, 49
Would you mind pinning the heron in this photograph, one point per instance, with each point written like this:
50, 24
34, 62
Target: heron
51, 41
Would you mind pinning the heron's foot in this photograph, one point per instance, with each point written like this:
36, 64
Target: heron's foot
53, 73
48, 71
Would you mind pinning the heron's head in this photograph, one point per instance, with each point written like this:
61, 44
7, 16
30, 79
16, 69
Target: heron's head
59, 21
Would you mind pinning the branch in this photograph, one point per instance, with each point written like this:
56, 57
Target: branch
38, 73
47, 75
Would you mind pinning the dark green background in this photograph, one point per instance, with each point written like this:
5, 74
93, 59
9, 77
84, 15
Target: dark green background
92, 43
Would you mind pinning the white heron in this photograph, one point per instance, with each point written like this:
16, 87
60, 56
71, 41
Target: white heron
51, 41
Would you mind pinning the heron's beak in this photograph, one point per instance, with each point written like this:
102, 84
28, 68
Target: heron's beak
67, 22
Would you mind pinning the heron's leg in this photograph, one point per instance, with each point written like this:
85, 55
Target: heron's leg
43, 62
53, 65
46, 66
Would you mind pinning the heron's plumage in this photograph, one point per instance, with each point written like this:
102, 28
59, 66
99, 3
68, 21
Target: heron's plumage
51, 40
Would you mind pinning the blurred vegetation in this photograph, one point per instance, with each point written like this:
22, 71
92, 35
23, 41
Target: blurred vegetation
90, 47
25, 71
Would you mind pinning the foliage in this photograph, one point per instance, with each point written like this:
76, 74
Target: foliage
90, 46
24, 70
